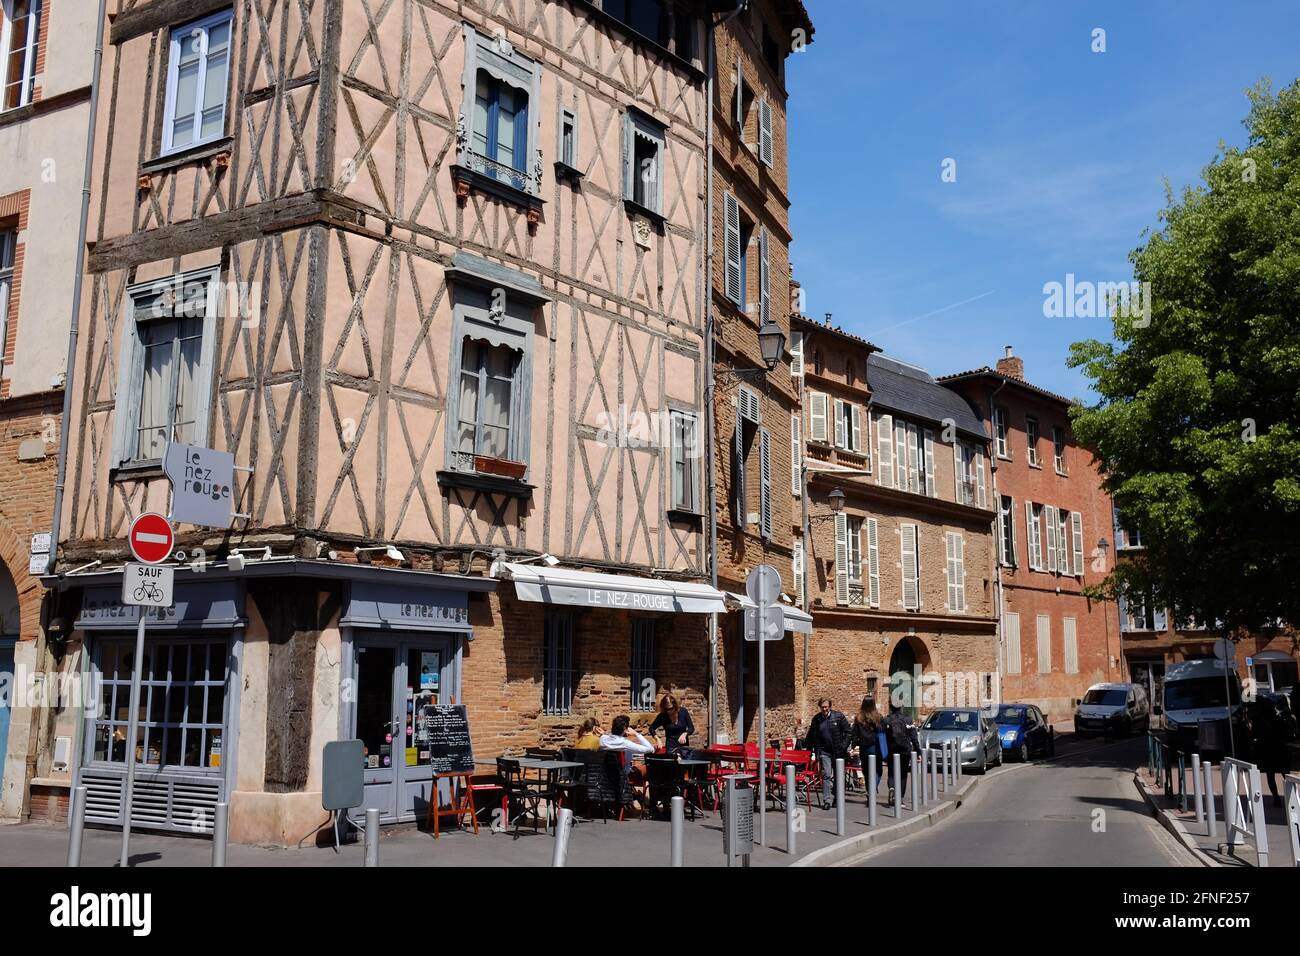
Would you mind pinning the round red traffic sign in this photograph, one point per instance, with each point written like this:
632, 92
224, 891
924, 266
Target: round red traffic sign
151, 538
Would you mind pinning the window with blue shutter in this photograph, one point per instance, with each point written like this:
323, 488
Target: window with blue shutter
502, 88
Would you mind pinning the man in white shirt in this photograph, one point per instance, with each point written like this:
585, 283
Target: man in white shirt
618, 738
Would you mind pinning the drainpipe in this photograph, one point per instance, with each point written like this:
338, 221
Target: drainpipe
710, 382
997, 522
69, 374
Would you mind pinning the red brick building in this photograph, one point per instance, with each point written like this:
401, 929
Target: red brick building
1053, 539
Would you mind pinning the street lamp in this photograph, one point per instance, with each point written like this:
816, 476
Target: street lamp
836, 498
771, 341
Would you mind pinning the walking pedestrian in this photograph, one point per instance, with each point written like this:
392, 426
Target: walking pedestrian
1268, 735
869, 738
828, 736
902, 739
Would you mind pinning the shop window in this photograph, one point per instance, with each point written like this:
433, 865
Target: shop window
685, 464
557, 663
198, 78
182, 703
19, 37
166, 365
644, 690
498, 137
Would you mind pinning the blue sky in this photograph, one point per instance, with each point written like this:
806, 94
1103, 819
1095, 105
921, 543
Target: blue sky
1061, 155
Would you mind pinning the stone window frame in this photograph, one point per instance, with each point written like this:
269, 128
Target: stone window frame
498, 57
14, 214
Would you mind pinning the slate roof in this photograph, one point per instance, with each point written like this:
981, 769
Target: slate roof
911, 391
986, 372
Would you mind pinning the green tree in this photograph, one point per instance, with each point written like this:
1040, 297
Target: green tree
1197, 429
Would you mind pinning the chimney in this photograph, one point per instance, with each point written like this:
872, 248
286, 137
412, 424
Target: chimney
1012, 366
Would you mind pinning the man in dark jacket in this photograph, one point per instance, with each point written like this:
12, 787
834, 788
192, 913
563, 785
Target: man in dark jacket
902, 739
828, 735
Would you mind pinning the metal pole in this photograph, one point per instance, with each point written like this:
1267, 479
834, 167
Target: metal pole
839, 796
76, 825
729, 821
372, 837
956, 763
894, 770
560, 854
871, 789
678, 816
913, 760
762, 725
1182, 781
1196, 788
133, 729
1212, 829
791, 798
934, 776
921, 780
220, 829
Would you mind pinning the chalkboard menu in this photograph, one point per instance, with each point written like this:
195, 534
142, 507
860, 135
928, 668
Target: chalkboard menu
446, 729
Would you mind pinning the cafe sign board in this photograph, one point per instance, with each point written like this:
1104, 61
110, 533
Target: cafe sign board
202, 484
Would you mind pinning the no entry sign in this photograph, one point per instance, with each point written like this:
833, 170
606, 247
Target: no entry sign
151, 538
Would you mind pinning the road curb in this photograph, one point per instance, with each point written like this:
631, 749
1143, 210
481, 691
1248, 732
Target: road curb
838, 853
1173, 825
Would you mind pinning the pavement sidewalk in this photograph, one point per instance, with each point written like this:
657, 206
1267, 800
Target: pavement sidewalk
1212, 851
591, 842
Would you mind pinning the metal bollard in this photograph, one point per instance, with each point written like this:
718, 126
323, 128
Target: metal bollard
913, 760
923, 783
871, 789
220, 832
839, 796
956, 762
895, 781
1182, 782
372, 837
678, 816
1196, 789
791, 801
1212, 828
76, 825
562, 827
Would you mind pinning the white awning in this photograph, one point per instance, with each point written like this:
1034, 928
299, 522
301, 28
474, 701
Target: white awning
545, 585
795, 620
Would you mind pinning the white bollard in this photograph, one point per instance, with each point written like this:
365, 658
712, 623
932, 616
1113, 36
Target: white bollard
1212, 829
839, 797
895, 781
1197, 781
871, 789
677, 831
372, 837
560, 853
791, 805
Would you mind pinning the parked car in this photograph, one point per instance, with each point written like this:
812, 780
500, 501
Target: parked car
1023, 731
1113, 710
1199, 697
977, 734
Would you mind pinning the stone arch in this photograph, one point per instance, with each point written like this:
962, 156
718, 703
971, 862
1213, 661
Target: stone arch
906, 655
27, 591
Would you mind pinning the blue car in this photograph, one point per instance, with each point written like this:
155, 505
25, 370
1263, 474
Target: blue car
1024, 732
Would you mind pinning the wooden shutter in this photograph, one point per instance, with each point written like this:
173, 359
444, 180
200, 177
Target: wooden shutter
796, 456
959, 569
900, 455
765, 483
1076, 539
731, 210
765, 150
950, 601
1050, 520
1044, 644
873, 563
913, 458
839, 424
928, 448
748, 405
1070, 635
764, 278
855, 421
817, 416
738, 474
979, 475
1032, 539
796, 567
885, 448
1011, 637
957, 472
842, 559
740, 99
911, 586
796, 353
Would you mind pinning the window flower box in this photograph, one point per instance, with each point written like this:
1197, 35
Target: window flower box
499, 466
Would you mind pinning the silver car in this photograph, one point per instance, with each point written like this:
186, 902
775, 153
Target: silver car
976, 734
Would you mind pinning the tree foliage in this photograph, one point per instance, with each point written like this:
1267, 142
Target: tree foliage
1197, 429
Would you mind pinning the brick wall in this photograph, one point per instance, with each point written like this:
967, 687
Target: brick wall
27, 502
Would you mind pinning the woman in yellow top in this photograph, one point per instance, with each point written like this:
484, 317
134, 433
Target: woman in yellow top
588, 736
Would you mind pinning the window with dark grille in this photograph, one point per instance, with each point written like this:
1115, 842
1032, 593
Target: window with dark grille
643, 664
557, 663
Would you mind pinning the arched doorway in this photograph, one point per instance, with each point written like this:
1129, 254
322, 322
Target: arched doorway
905, 666
10, 623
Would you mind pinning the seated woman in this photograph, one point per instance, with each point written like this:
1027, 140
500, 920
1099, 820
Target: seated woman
675, 722
588, 735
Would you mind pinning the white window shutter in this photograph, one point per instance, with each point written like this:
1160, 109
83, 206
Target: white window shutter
885, 448
929, 462
1076, 538
948, 562
738, 475
796, 353
731, 208
796, 568
900, 455
855, 419
1011, 638
911, 588
913, 458
796, 456
1044, 644
765, 132
740, 98
1031, 538
748, 405
957, 472
979, 475
873, 563
1049, 519
764, 278
765, 483
959, 551
842, 559
1070, 635
839, 423
817, 416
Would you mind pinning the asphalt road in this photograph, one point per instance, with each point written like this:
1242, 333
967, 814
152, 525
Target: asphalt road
1046, 814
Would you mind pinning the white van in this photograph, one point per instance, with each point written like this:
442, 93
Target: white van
1200, 692
1112, 709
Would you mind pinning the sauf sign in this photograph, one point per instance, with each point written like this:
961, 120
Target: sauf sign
75, 909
